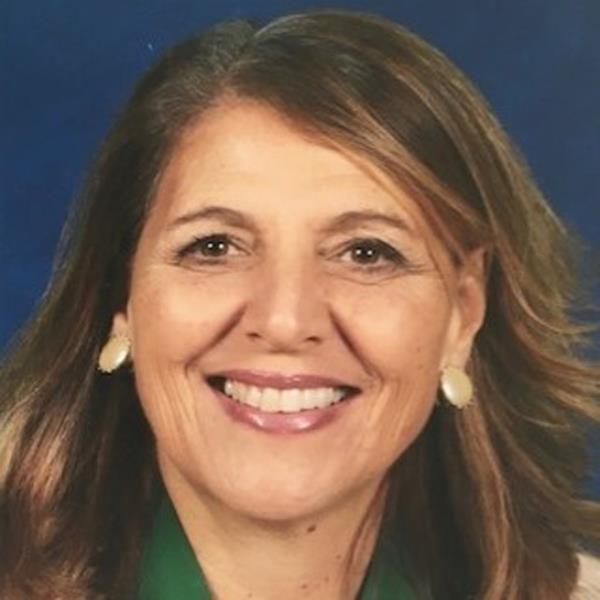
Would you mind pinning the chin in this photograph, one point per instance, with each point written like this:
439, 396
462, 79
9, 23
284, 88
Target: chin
278, 504
281, 510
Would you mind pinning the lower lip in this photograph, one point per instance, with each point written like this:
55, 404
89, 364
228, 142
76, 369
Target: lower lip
282, 423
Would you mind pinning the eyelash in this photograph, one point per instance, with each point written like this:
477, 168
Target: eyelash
199, 242
380, 248
375, 246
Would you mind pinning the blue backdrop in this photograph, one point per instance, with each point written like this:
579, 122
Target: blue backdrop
67, 65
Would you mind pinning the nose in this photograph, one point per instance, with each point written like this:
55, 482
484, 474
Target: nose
288, 311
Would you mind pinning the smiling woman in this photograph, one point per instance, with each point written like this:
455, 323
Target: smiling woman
310, 337
331, 321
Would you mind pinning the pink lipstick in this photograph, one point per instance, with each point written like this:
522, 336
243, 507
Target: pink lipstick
279, 422
282, 381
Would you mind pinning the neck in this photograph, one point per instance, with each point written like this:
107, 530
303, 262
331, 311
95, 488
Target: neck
324, 555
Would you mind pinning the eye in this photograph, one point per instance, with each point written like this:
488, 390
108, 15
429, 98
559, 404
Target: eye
212, 246
209, 248
372, 252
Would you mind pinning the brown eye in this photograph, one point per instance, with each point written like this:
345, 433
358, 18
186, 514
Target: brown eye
365, 254
214, 250
372, 251
213, 246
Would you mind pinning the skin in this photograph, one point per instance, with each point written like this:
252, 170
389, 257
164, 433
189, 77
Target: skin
269, 516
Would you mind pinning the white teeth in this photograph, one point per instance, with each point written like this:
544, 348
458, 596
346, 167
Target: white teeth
269, 401
273, 400
253, 397
291, 400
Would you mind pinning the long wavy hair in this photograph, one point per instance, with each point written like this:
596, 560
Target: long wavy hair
488, 499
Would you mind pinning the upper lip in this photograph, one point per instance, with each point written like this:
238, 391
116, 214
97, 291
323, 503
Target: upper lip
282, 381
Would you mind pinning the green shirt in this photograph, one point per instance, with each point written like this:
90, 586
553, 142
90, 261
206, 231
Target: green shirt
170, 570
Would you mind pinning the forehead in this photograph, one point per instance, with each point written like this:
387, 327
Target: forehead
247, 154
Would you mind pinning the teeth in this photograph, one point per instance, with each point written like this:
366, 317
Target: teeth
291, 400
288, 401
253, 397
269, 401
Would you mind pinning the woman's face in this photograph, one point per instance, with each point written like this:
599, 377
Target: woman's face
269, 261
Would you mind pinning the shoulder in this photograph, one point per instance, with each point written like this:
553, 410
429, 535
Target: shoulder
588, 584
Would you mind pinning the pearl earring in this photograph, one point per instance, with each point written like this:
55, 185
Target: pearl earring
114, 353
457, 387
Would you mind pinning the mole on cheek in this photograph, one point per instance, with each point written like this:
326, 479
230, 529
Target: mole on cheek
311, 528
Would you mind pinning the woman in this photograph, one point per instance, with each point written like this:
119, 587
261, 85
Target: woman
309, 336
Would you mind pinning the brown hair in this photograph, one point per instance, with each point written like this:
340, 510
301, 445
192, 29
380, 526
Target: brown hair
487, 499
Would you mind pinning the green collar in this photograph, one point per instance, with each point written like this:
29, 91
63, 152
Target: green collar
170, 570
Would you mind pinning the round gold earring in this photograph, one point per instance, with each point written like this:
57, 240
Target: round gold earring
457, 387
114, 353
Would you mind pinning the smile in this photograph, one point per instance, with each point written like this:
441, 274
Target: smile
272, 400
295, 398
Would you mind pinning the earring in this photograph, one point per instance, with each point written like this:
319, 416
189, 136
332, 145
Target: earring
457, 387
114, 353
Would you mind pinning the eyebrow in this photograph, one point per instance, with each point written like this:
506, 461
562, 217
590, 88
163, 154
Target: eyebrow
346, 220
220, 213
351, 219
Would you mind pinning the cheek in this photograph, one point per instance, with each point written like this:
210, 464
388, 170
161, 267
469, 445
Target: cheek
399, 330
177, 317
173, 320
399, 334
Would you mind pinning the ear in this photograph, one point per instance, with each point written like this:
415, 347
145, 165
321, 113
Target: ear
468, 311
120, 323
